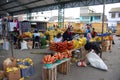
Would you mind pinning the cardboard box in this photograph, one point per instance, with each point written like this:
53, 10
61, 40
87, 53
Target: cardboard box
2, 75
9, 62
13, 75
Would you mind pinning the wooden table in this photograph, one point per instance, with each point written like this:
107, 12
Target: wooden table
51, 73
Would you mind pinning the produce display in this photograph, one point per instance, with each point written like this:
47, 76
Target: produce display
18, 68
99, 38
78, 30
28, 60
67, 54
10, 69
79, 43
61, 46
58, 56
26, 35
53, 33
48, 59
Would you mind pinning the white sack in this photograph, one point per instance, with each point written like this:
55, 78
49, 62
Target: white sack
6, 45
24, 45
96, 61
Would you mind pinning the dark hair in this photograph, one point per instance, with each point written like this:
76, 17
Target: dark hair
36, 31
15, 28
58, 35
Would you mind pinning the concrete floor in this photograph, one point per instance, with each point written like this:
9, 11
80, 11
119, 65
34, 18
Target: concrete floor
76, 73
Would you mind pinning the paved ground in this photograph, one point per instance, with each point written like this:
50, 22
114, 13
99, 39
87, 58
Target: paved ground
76, 73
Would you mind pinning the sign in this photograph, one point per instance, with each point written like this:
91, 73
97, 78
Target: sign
11, 25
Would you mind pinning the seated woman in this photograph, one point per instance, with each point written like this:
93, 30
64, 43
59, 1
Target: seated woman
15, 35
36, 37
58, 38
67, 35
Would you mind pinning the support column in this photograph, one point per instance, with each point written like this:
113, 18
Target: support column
29, 15
61, 15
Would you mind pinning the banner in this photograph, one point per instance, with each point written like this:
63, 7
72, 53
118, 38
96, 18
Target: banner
24, 26
11, 26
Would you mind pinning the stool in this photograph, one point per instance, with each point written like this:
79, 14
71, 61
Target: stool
37, 45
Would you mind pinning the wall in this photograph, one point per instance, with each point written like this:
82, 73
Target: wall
112, 22
98, 27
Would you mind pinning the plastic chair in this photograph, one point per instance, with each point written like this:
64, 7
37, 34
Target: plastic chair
36, 42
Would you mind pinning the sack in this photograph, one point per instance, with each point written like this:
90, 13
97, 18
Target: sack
9, 62
96, 61
24, 45
30, 44
6, 45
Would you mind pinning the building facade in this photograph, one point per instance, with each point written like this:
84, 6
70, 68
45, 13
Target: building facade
88, 15
113, 18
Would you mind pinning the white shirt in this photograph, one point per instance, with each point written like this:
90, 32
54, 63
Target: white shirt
58, 39
36, 34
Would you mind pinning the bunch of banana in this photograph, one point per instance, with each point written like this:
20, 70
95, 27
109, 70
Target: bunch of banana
22, 66
10, 69
106, 38
41, 34
22, 78
98, 38
28, 34
29, 60
92, 40
82, 40
75, 44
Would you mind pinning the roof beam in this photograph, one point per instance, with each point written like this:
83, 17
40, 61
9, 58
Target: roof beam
4, 10
23, 4
67, 3
7, 3
20, 3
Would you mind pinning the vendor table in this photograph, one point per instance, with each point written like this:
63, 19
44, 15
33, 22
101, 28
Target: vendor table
51, 73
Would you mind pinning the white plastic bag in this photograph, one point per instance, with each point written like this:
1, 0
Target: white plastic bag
96, 61
24, 45
6, 45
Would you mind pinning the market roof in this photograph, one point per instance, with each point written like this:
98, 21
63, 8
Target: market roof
12, 6
27, 6
117, 9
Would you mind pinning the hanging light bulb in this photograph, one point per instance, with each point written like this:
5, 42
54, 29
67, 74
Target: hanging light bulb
6, 0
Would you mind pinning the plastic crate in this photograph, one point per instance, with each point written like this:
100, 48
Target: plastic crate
27, 71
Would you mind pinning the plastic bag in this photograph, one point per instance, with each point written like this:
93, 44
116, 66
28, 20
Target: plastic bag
96, 61
6, 45
24, 45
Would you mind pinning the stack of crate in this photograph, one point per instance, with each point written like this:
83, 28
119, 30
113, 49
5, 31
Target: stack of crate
118, 29
98, 27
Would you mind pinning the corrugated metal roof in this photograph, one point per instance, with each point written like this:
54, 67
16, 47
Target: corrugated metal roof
15, 6
117, 9
12, 6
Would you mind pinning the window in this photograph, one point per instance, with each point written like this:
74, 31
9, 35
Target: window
97, 17
85, 17
118, 14
113, 15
